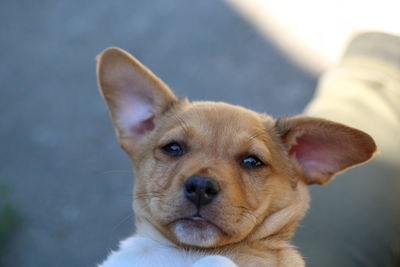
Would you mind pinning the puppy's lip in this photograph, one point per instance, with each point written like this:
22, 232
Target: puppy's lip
197, 222
195, 218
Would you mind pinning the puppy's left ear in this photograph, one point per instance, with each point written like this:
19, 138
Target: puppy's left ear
134, 95
323, 148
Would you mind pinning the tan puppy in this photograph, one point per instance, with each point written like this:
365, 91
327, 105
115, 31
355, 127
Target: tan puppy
216, 184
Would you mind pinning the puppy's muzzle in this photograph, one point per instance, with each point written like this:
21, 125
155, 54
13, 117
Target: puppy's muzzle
201, 190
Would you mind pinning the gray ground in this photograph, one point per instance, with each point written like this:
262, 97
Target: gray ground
70, 181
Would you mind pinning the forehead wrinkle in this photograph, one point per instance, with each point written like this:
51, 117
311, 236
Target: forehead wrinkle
257, 144
260, 145
241, 136
222, 125
182, 123
259, 135
179, 132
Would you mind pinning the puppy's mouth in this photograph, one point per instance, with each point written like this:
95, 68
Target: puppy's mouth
197, 218
196, 231
197, 222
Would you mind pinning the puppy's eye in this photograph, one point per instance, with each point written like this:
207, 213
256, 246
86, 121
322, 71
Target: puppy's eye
251, 162
173, 149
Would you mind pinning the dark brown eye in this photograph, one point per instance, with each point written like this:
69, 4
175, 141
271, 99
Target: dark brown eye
173, 149
251, 162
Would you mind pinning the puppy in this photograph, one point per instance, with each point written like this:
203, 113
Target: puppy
216, 184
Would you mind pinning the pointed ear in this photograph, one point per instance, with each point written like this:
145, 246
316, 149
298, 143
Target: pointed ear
134, 95
323, 148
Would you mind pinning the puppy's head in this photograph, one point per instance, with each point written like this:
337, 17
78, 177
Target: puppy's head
210, 174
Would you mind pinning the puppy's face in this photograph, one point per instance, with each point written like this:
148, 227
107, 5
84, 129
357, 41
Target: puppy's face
210, 174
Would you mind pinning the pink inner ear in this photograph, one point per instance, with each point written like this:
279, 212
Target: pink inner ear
143, 127
135, 115
323, 148
317, 156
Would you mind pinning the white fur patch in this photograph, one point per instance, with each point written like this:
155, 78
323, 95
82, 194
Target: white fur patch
214, 261
140, 251
189, 233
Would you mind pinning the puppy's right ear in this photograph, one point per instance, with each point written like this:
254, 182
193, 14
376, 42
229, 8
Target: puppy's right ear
134, 95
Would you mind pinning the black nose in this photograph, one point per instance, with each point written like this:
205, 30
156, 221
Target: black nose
201, 190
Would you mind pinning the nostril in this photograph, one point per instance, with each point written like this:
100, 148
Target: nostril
210, 191
190, 188
211, 187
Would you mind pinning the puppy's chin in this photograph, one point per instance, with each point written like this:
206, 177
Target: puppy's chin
196, 232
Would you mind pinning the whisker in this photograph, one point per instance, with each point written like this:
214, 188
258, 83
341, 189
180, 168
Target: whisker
147, 205
147, 195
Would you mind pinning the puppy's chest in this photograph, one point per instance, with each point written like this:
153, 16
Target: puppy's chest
143, 251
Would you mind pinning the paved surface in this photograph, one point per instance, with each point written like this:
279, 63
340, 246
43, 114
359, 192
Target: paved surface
71, 183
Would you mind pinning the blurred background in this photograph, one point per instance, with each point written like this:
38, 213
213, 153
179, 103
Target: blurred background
65, 185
